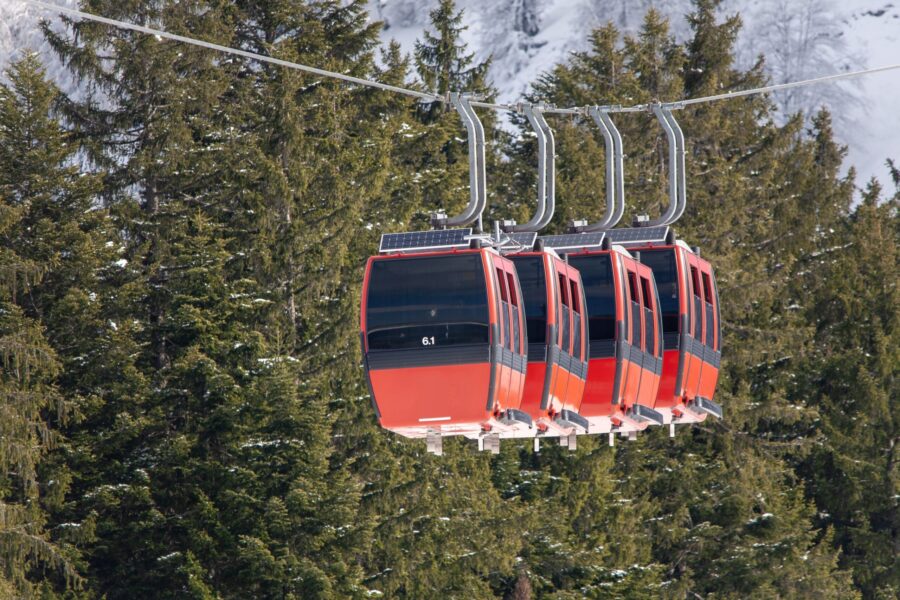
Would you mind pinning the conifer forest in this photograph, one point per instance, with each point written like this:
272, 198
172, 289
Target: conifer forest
183, 410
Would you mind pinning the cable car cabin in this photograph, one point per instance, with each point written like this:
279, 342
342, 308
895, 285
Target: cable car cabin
626, 345
444, 341
557, 343
691, 326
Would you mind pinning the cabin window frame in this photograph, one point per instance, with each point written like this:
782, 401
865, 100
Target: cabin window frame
718, 314
697, 302
709, 307
646, 303
505, 307
564, 310
577, 319
637, 325
516, 317
589, 265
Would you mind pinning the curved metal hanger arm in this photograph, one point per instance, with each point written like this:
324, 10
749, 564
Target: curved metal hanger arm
682, 172
619, 164
666, 218
550, 162
546, 171
477, 174
480, 160
613, 143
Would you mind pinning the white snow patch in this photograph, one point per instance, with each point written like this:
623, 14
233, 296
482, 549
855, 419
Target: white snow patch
169, 556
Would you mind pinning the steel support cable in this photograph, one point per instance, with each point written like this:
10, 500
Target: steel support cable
678, 104
434, 97
784, 86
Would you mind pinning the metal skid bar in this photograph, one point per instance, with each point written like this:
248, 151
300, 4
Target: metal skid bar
433, 443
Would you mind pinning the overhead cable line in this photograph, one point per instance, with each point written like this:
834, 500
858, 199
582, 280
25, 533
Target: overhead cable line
785, 86
515, 107
228, 50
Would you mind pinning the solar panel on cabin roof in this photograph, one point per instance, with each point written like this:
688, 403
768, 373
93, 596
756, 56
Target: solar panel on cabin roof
631, 235
425, 240
573, 240
525, 238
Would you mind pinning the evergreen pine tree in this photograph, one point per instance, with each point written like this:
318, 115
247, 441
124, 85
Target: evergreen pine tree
38, 193
850, 376
442, 60
247, 184
713, 518
439, 158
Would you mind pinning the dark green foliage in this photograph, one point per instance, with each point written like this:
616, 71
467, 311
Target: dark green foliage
185, 415
721, 508
225, 467
47, 243
852, 473
442, 61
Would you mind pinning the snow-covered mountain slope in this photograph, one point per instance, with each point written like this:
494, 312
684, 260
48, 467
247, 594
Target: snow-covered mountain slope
877, 33
20, 32
800, 39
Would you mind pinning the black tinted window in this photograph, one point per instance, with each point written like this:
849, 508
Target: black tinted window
428, 301
534, 292
662, 262
597, 279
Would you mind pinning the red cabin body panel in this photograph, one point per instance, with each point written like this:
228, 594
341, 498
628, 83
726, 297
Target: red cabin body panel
598, 393
534, 388
423, 395
709, 375
666, 397
570, 384
695, 362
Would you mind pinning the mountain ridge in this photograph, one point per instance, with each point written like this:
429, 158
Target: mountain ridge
525, 38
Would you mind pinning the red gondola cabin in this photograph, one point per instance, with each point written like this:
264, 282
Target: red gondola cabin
691, 327
557, 342
625, 340
444, 342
